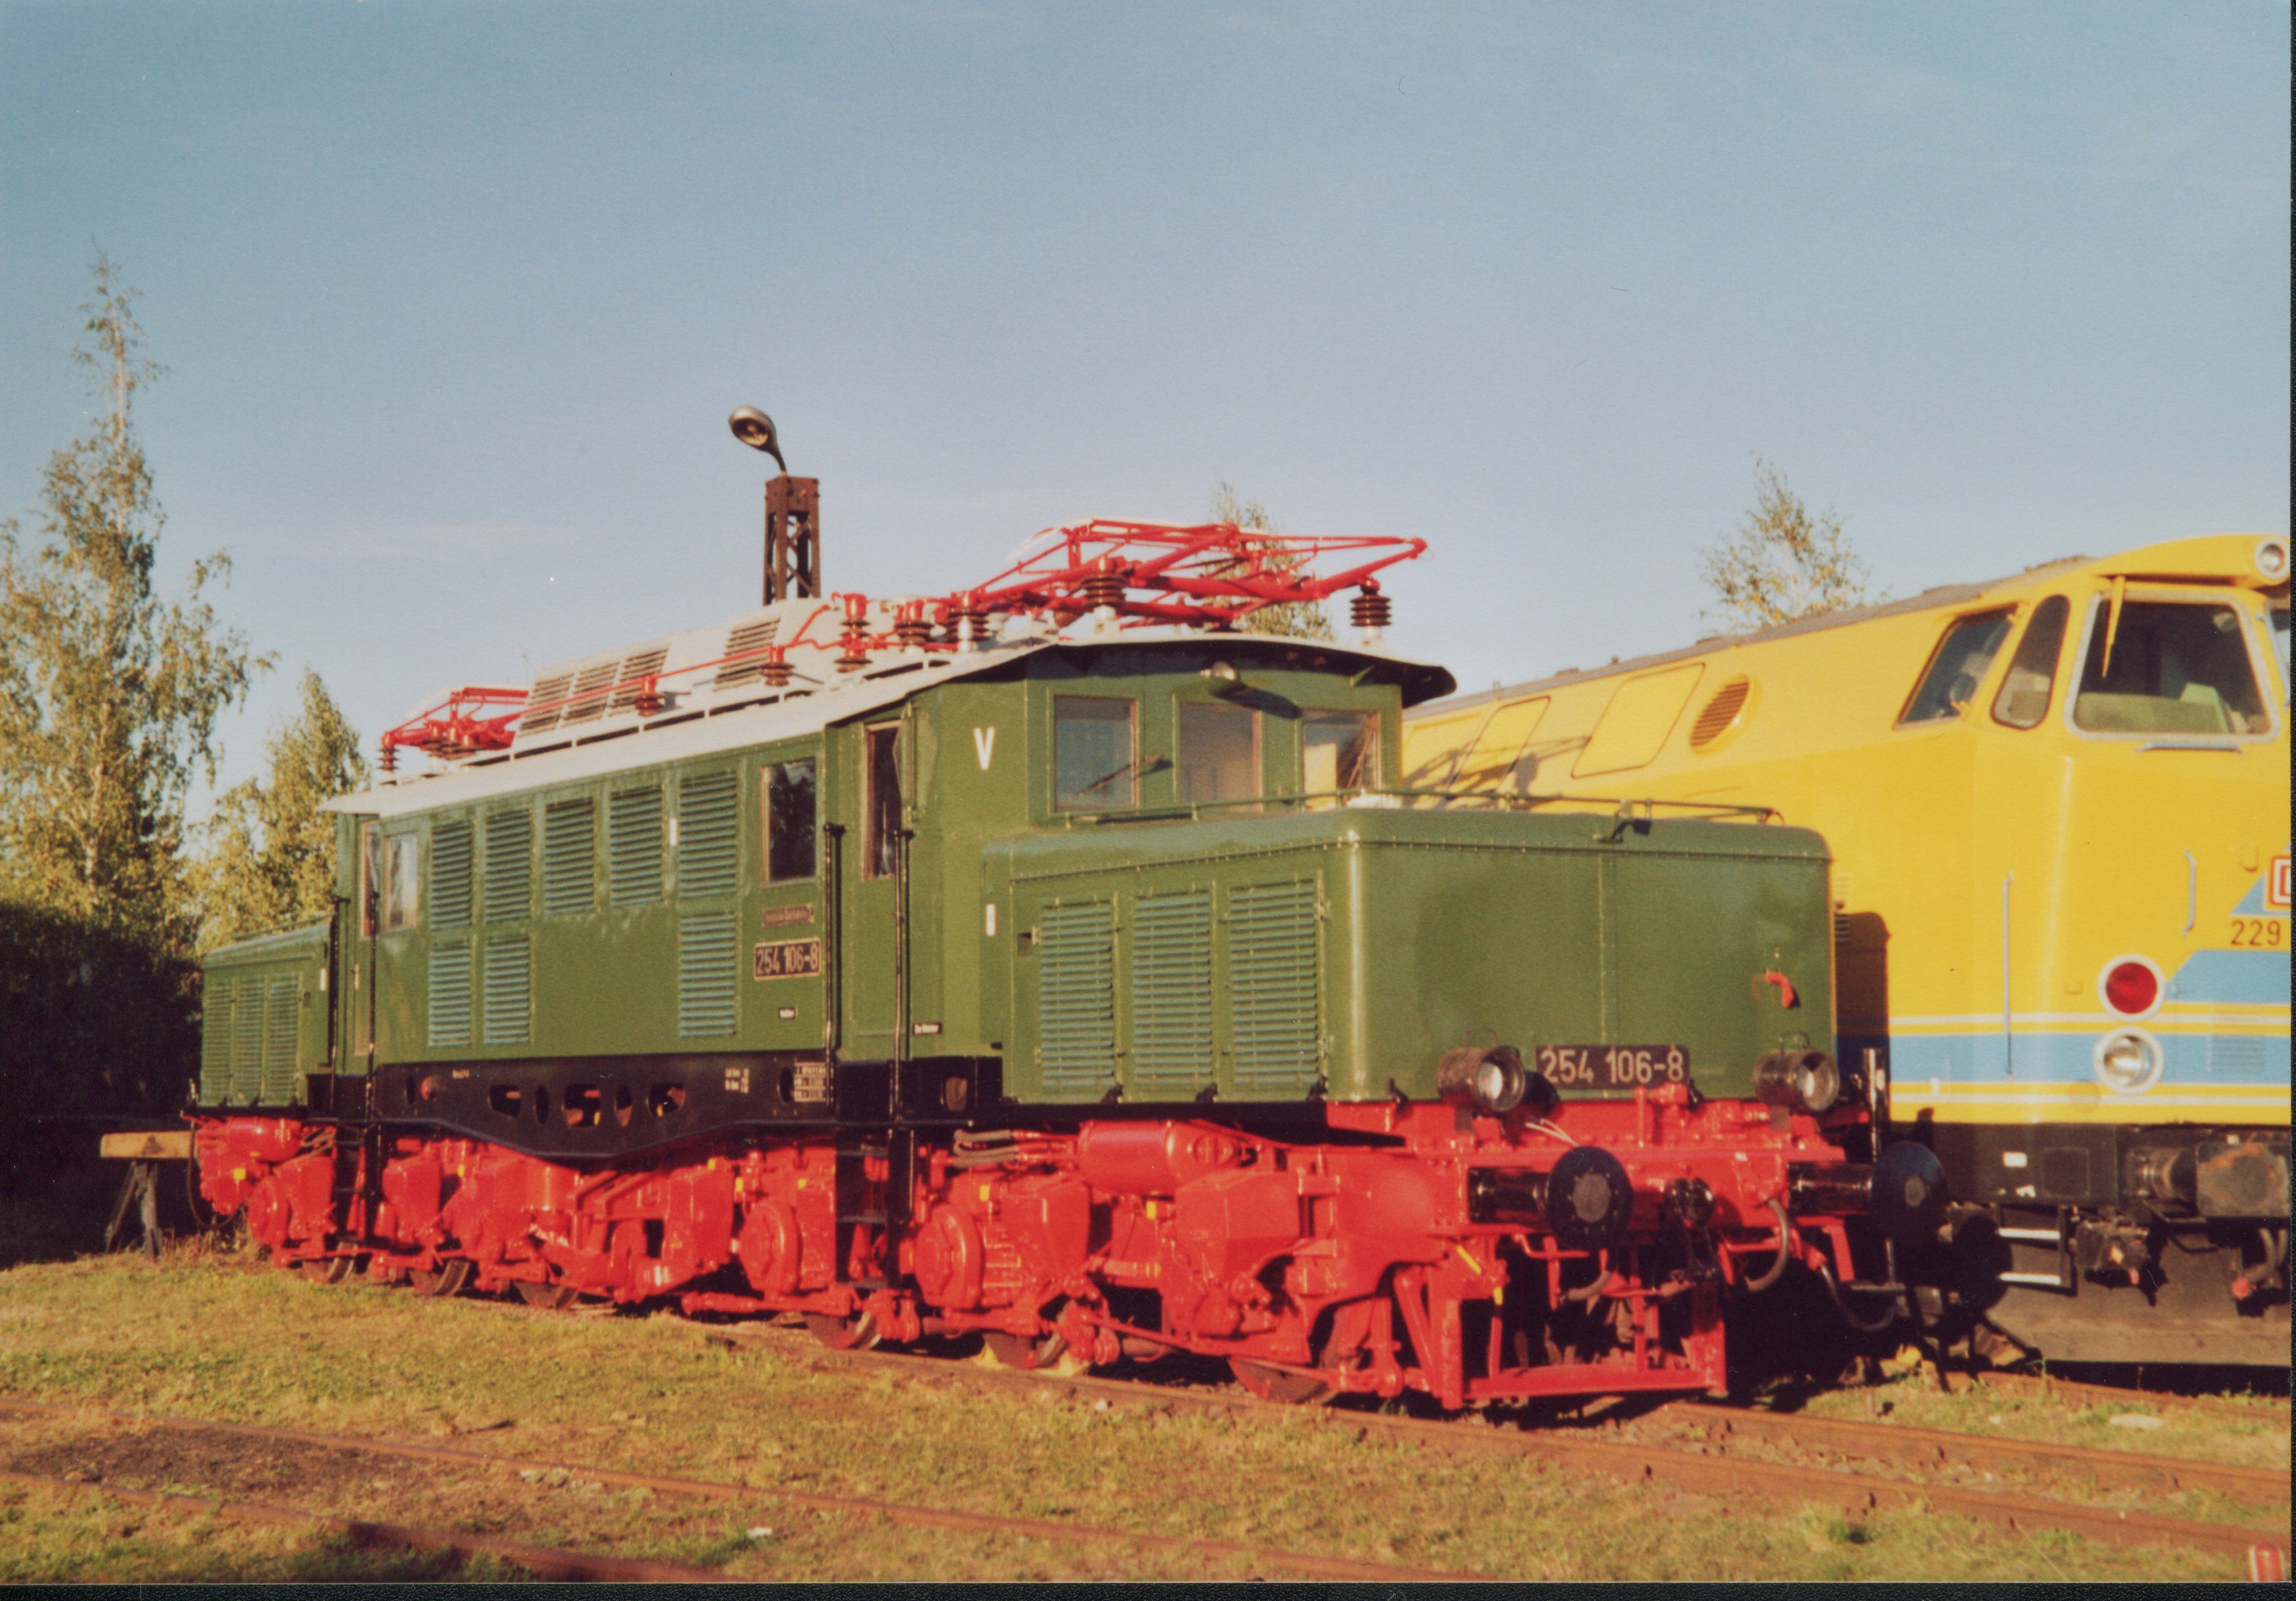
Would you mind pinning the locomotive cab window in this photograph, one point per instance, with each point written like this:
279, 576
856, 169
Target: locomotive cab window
1095, 765
788, 792
2168, 667
881, 840
1219, 751
402, 880
2024, 698
369, 869
1339, 750
1956, 668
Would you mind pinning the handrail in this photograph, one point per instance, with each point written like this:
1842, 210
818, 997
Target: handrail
1623, 810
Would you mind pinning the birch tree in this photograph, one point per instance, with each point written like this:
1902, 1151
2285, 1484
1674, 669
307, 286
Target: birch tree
270, 860
109, 693
1291, 620
1781, 563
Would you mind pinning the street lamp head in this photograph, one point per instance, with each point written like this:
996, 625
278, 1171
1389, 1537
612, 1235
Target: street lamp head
754, 429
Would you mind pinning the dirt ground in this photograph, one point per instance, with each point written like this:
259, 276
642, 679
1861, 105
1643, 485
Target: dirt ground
206, 1335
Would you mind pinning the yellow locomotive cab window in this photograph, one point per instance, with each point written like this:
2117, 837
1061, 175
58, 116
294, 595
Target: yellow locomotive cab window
1095, 765
1637, 720
1956, 668
1501, 744
2024, 698
2175, 668
1430, 747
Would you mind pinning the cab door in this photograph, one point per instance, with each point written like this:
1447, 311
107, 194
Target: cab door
870, 868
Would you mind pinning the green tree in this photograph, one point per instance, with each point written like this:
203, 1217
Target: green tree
1781, 563
1292, 619
270, 860
109, 696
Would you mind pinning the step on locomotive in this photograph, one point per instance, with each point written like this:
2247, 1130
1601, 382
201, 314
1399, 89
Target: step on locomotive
1056, 962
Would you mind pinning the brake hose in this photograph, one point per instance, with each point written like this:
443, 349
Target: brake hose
1755, 1286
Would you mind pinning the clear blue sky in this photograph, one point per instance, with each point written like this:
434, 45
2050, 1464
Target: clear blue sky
455, 297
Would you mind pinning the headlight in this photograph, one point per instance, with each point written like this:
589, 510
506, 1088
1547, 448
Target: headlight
1490, 1080
2128, 1061
2271, 560
1804, 1080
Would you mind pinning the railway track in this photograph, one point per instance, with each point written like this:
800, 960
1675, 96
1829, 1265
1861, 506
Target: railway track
1914, 1447
2047, 1387
929, 1517
1706, 1465
543, 1562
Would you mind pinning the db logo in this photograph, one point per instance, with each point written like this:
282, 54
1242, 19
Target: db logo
2276, 884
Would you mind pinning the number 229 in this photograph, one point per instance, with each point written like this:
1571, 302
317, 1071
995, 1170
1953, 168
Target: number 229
2254, 933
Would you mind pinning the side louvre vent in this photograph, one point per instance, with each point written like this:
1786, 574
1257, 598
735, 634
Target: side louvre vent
1273, 958
214, 1043
590, 686
2236, 1055
1076, 995
509, 866
1720, 712
450, 996
1171, 973
633, 848
279, 1020
709, 834
450, 874
708, 973
544, 697
637, 665
750, 637
247, 1044
569, 857
509, 974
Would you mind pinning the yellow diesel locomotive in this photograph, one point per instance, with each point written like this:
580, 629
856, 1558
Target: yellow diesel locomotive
2058, 808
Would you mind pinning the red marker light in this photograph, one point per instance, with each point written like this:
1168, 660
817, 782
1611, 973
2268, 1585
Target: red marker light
2131, 988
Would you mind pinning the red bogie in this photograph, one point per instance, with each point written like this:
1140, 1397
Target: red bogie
1408, 1251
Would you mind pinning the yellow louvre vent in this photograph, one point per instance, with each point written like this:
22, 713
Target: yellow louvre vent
1637, 720
1721, 713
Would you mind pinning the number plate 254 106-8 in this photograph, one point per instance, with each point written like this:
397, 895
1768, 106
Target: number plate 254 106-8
1612, 1066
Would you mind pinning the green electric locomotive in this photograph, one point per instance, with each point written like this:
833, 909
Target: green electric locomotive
1056, 962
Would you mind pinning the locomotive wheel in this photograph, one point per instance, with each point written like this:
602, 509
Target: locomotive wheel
447, 1278
327, 1270
856, 1332
1021, 1353
549, 1298
1278, 1383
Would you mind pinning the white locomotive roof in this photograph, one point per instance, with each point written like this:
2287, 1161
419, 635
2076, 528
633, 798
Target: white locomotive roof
716, 704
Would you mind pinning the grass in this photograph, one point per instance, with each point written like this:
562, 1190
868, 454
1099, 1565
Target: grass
205, 1335
2253, 1431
